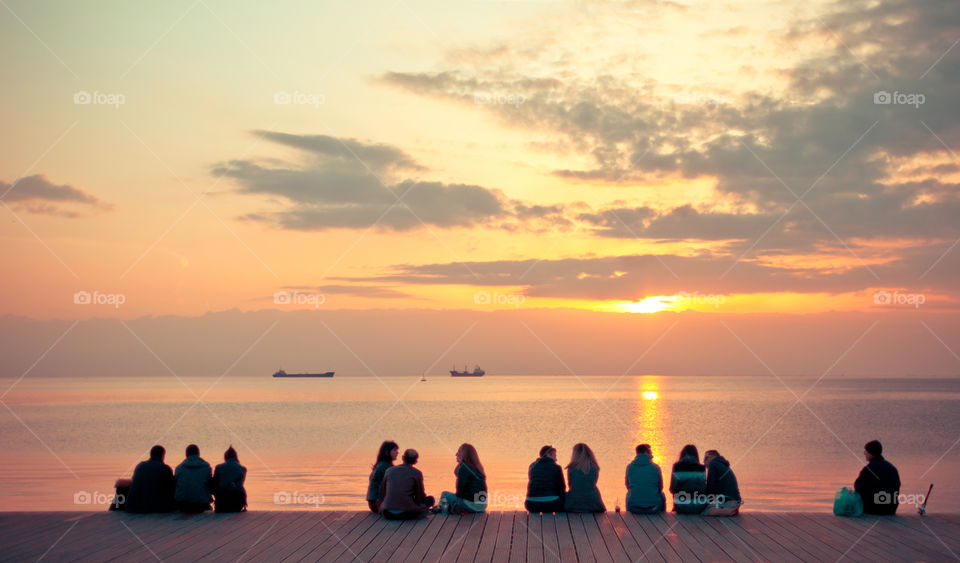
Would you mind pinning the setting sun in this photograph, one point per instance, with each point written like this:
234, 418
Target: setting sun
651, 304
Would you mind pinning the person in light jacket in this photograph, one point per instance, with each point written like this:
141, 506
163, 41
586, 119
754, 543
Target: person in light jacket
194, 480
645, 484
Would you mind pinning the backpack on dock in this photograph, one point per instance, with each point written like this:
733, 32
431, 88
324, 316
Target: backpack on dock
847, 502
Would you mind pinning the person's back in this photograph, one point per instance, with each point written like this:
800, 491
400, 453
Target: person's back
878, 483
644, 483
688, 482
402, 490
228, 480
152, 487
546, 487
723, 490
194, 479
584, 496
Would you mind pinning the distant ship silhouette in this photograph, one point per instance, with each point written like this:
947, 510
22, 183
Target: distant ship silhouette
477, 372
281, 373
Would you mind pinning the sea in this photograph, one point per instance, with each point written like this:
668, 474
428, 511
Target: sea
309, 444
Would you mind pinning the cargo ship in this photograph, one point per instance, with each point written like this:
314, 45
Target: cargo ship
477, 372
281, 373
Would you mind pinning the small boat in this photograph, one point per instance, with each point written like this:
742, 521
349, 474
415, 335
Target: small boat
281, 373
477, 372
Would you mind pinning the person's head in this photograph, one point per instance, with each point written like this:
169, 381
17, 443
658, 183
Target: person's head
872, 449
644, 449
467, 454
709, 456
192, 449
582, 458
157, 452
388, 452
230, 454
549, 451
410, 456
689, 451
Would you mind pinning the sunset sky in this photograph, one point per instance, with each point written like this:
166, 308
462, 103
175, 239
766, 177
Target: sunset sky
743, 157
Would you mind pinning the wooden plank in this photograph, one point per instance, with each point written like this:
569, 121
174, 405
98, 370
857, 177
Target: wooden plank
419, 549
501, 552
471, 541
351, 550
443, 538
568, 551
610, 538
661, 531
518, 545
489, 540
758, 537
798, 540
408, 542
343, 549
551, 546
386, 535
731, 547
598, 547
331, 536
534, 538
580, 540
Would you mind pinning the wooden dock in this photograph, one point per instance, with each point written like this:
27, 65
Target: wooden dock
497, 536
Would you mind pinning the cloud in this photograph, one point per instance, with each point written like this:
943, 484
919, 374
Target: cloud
37, 194
355, 290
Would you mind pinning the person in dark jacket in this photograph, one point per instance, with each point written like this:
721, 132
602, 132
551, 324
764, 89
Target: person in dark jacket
723, 491
194, 482
228, 478
645, 484
471, 489
389, 450
402, 490
879, 482
688, 482
546, 488
582, 473
152, 486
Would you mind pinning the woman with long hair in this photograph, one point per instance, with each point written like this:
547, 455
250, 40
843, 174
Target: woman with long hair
389, 450
688, 482
471, 489
582, 474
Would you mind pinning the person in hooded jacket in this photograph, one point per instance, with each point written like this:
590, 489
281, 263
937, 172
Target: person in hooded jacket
546, 488
152, 487
194, 482
645, 483
879, 482
228, 478
723, 491
688, 482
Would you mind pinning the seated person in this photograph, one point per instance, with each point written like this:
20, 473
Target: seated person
471, 489
878, 483
386, 455
228, 478
723, 492
151, 489
582, 473
546, 488
645, 484
121, 495
402, 490
194, 481
688, 482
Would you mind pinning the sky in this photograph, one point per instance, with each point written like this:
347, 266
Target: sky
622, 157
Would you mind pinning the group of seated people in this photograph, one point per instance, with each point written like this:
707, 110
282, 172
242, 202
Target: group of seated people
191, 488
397, 491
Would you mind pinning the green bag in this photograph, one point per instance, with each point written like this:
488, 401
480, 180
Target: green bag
847, 502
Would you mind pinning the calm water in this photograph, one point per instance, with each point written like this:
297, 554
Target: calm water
313, 441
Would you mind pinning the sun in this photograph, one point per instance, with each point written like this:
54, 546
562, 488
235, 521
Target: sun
651, 304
